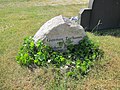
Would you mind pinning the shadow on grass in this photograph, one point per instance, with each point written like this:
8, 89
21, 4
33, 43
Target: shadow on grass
111, 32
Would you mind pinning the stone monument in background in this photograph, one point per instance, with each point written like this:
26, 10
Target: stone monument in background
101, 14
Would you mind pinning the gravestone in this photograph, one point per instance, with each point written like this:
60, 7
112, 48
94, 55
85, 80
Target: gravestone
58, 32
101, 14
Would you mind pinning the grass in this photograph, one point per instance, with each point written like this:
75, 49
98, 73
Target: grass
22, 18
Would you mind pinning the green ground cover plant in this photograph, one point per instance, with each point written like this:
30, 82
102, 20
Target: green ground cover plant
77, 58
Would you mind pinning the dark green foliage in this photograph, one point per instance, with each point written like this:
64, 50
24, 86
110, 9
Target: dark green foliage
77, 57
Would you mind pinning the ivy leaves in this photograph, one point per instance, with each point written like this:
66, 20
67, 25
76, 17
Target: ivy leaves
76, 58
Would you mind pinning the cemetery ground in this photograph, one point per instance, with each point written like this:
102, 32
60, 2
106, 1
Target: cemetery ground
22, 18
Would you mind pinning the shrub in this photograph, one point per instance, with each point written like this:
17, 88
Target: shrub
78, 57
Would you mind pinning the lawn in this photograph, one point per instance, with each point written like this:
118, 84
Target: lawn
21, 18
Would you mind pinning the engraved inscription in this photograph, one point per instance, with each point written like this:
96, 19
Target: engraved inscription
60, 43
61, 39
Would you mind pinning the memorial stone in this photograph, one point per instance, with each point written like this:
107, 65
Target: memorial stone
58, 32
101, 14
